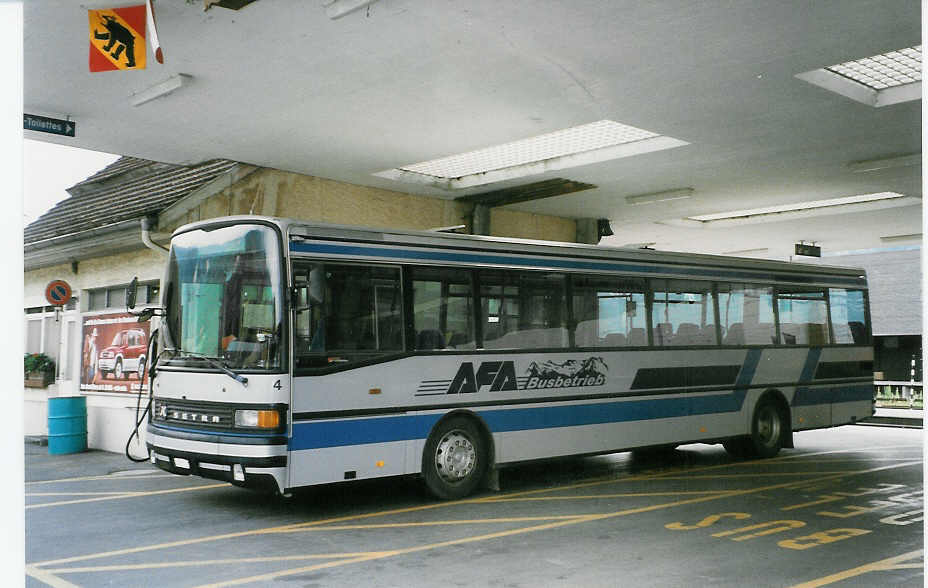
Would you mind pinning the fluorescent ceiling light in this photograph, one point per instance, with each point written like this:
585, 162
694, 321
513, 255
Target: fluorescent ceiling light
885, 163
879, 80
847, 204
748, 252
767, 210
665, 196
161, 89
895, 238
591, 143
336, 9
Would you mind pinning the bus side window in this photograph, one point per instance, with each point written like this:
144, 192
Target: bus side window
443, 313
523, 310
346, 313
746, 314
308, 327
682, 312
849, 316
609, 311
803, 315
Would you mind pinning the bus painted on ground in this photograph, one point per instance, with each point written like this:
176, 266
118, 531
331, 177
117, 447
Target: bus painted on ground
296, 354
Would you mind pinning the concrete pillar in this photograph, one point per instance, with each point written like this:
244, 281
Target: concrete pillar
481, 223
587, 231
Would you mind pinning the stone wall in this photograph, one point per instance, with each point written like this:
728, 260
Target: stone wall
273, 192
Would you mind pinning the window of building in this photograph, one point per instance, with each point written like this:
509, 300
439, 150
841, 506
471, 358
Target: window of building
609, 311
746, 314
682, 313
114, 297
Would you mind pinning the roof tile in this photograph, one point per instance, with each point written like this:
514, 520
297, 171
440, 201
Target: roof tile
102, 200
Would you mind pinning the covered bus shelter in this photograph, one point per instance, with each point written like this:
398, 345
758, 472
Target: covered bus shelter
729, 128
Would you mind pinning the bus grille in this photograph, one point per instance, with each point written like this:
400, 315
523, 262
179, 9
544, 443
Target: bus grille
201, 414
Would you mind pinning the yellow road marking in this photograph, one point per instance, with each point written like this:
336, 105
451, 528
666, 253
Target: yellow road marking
47, 577
610, 495
823, 500
106, 477
268, 530
368, 557
211, 562
553, 525
435, 523
853, 459
463, 540
877, 566
854, 450
767, 475
125, 495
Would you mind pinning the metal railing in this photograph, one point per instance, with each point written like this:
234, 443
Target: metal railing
898, 394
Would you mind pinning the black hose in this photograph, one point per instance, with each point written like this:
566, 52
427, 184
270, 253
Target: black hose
138, 401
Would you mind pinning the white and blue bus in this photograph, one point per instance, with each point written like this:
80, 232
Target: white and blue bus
296, 354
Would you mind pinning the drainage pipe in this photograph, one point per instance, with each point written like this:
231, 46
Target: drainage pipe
147, 224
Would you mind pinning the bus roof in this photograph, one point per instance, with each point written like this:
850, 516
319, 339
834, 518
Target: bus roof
295, 228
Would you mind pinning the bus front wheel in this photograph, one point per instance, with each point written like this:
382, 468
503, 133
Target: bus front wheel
455, 458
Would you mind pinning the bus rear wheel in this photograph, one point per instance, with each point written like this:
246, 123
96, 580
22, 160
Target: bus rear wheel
767, 428
455, 459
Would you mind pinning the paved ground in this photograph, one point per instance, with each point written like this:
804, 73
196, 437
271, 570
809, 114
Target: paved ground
845, 507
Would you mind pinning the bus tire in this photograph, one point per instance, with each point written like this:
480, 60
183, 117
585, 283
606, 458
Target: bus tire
767, 428
455, 458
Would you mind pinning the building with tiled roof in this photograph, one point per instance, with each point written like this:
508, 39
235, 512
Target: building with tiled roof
110, 203
94, 240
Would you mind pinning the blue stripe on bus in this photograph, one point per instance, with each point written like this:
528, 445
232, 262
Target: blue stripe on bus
463, 257
361, 431
804, 396
730, 402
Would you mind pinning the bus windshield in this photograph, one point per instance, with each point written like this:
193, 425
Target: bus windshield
224, 297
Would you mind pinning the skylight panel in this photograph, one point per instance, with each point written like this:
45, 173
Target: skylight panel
604, 133
878, 80
885, 70
581, 145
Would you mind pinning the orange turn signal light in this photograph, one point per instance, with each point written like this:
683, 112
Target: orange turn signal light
268, 419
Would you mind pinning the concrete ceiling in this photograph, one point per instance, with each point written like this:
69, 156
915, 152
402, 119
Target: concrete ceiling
280, 84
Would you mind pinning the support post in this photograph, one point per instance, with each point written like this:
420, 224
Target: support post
481, 220
587, 231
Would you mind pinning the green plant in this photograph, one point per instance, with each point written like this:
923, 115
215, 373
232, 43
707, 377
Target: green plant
38, 362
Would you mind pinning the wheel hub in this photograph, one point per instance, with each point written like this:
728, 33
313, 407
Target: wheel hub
768, 426
455, 457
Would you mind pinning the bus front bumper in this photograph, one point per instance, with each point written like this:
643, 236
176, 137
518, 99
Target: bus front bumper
259, 466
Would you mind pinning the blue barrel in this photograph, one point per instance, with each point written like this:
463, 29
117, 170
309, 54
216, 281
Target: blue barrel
67, 424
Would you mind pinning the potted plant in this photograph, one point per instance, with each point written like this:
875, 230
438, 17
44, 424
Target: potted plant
39, 370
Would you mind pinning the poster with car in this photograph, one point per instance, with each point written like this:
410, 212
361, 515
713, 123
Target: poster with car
113, 353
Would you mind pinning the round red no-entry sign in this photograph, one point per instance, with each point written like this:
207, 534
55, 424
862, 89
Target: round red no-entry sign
58, 292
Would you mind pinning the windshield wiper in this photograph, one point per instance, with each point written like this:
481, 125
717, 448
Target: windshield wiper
216, 362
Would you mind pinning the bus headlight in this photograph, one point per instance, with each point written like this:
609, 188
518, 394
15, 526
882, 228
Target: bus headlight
257, 419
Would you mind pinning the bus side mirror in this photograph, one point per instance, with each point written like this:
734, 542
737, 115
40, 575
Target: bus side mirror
132, 292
